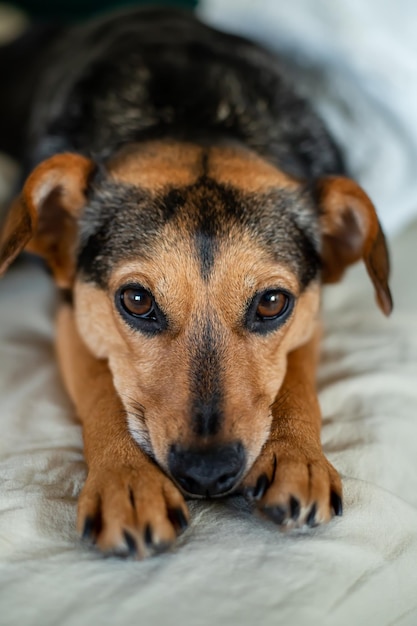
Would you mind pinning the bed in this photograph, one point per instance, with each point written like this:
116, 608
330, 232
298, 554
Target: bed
230, 567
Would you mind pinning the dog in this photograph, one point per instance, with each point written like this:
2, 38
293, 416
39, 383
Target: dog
190, 205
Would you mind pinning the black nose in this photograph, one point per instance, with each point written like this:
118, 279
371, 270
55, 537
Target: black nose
207, 471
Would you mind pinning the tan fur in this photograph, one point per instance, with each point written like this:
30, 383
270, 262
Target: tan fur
15, 233
43, 217
245, 170
157, 164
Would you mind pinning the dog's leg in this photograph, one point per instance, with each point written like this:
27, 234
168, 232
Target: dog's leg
127, 505
292, 482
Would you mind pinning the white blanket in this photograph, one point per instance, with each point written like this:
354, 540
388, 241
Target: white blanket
229, 568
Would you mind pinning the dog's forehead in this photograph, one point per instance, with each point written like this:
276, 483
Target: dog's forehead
208, 201
178, 271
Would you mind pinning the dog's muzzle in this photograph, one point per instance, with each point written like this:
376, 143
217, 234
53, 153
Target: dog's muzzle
208, 472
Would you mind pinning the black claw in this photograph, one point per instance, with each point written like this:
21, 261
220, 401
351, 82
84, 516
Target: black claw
336, 503
258, 491
148, 536
275, 513
261, 486
131, 543
88, 529
178, 519
311, 518
294, 508
155, 548
161, 547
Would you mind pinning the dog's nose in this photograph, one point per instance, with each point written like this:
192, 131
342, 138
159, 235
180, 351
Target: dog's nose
207, 471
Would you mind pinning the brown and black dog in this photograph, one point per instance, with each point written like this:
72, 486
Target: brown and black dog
190, 206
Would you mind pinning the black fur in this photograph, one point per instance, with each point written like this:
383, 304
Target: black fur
147, 73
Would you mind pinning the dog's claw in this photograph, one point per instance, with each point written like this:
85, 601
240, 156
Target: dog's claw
294, 508
153, 546
336, 503
261, 486
311, 517
88, 528
131, 543
276, 514
178, 519
148, 518
301, 490
258, 491
148, 536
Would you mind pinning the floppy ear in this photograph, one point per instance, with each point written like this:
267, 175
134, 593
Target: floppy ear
44, 217
351, 231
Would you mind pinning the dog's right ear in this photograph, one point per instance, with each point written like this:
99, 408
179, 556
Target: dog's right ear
44, 217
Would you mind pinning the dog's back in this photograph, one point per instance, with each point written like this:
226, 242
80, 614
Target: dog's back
146, 74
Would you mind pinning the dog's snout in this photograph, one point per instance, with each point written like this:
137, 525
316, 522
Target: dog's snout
210, 471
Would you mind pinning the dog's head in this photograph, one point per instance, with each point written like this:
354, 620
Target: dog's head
195, 271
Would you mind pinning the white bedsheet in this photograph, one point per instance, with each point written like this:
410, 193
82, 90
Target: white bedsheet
229, 568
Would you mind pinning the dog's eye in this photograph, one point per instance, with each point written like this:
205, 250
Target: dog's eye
137, 301
138, 308
269, 310
272, 304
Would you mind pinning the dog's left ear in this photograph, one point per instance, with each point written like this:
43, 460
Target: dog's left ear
351, 231
44, 217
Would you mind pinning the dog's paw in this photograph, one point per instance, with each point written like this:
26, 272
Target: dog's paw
131, 512
294, 488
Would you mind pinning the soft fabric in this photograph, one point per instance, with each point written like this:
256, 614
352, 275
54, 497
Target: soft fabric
231, 568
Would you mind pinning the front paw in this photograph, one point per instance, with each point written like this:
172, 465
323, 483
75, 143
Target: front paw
131, 512
294, 487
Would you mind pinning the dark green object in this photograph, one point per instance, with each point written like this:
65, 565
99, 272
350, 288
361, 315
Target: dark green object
79, 9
